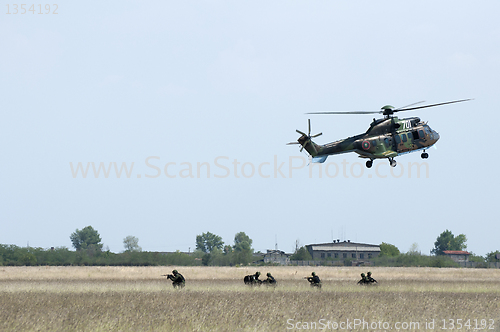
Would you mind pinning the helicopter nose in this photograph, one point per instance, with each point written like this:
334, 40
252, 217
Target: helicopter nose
436, 135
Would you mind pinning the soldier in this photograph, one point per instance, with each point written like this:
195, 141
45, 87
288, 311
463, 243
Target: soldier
270, 281
364, 280
178, 280
252, 279
314, 280
370, 279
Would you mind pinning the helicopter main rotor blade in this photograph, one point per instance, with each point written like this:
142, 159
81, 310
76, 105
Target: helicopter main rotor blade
292, 143
391, 111
309, 132
423, 101
316, 135
352, 112
415, 108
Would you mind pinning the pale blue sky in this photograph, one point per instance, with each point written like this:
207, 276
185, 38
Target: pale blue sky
192, 81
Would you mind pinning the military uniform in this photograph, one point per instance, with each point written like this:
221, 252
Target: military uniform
314, 280
177, 279
364, 280
270, 280
252, 279
370, 279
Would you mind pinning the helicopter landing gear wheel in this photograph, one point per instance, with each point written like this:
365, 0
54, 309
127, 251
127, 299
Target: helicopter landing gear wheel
369, 163
424, 155
392, 162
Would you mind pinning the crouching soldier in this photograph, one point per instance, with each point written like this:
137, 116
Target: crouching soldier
364, 280
370, 279
270, 281
178, 280
252, 279
314, 281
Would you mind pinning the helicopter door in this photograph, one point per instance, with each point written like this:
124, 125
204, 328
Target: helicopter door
404, 146
399, 145
389, 143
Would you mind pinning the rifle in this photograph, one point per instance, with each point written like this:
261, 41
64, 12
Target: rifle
167, 275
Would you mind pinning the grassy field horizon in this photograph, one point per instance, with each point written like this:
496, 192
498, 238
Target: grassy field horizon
215, 299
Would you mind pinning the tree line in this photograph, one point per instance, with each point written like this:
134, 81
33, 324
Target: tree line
211, 250
89, 251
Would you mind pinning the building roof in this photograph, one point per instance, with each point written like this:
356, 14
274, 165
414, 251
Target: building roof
344, 246
275, 252
455, 252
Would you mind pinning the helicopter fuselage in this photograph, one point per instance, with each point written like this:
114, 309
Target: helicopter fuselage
385, 138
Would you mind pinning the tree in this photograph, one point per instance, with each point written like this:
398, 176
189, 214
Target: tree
447, 241
413, 249
242, 242
131, 243
476, 258
207, 242
388, 250
242, 248
491, 257
87, 238
301, 255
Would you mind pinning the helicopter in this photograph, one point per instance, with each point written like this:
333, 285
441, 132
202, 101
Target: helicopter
386, 138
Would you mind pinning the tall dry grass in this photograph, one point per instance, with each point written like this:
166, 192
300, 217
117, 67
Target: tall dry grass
237, 273
215, 299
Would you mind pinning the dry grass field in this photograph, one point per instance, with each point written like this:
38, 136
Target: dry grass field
215, 299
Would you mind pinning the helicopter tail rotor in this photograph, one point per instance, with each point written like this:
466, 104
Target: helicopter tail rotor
305, 140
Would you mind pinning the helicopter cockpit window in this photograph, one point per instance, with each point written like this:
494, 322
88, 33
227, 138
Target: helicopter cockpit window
421, 133
403, 136
427, 130
398, 139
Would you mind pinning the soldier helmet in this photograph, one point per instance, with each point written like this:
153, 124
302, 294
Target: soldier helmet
175, 272
369, 273
362, 274
314, 273
257, 273
268, 274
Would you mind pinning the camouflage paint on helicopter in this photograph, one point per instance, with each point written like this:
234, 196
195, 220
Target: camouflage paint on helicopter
386, 138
